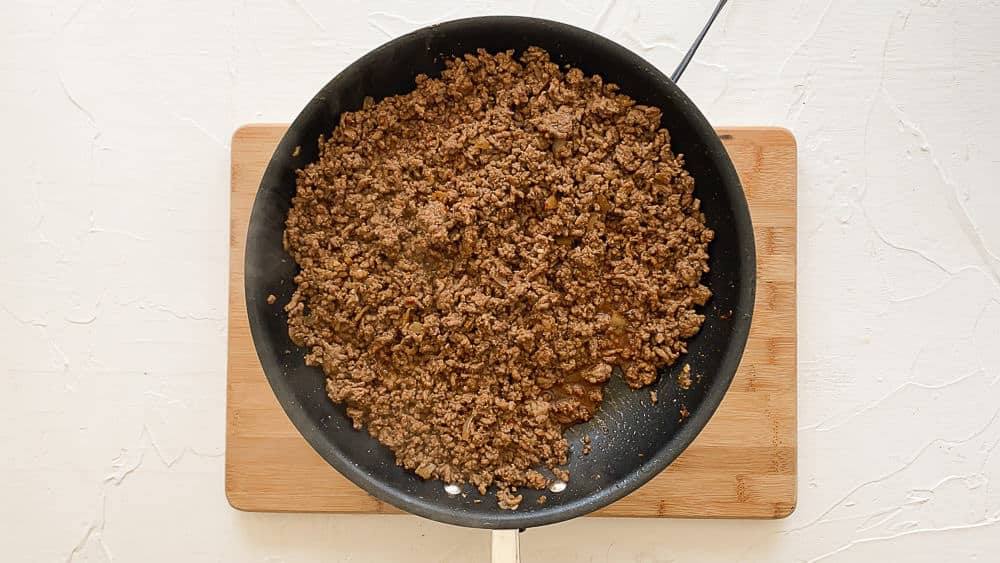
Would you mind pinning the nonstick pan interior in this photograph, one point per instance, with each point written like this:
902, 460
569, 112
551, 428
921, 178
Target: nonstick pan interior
632, 438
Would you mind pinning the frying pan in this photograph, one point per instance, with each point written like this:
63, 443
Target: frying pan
633, 439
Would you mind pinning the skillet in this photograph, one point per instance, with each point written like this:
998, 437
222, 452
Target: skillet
632, 439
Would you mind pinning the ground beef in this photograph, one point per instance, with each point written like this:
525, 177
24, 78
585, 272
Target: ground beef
508, 500
684, 377
478, 255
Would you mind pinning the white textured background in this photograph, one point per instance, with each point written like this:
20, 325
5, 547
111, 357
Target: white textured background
116, 119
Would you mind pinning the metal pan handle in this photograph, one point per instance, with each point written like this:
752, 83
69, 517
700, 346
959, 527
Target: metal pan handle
697, 43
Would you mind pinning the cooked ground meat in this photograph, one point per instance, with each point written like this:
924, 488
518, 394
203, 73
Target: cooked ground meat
508, 500
478, 255
684, 377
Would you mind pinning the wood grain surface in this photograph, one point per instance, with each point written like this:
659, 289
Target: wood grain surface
742, 465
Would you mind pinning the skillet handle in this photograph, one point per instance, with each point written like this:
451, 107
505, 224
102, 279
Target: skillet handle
506, 547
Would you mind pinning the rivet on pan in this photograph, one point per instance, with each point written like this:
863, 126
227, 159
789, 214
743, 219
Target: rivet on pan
557, 486
452, 489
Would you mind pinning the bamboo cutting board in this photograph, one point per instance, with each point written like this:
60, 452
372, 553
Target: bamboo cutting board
742, 465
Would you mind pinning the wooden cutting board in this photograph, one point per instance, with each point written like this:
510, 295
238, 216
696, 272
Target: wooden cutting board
742, 465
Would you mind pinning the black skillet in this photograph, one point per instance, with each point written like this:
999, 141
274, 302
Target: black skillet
632, 438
